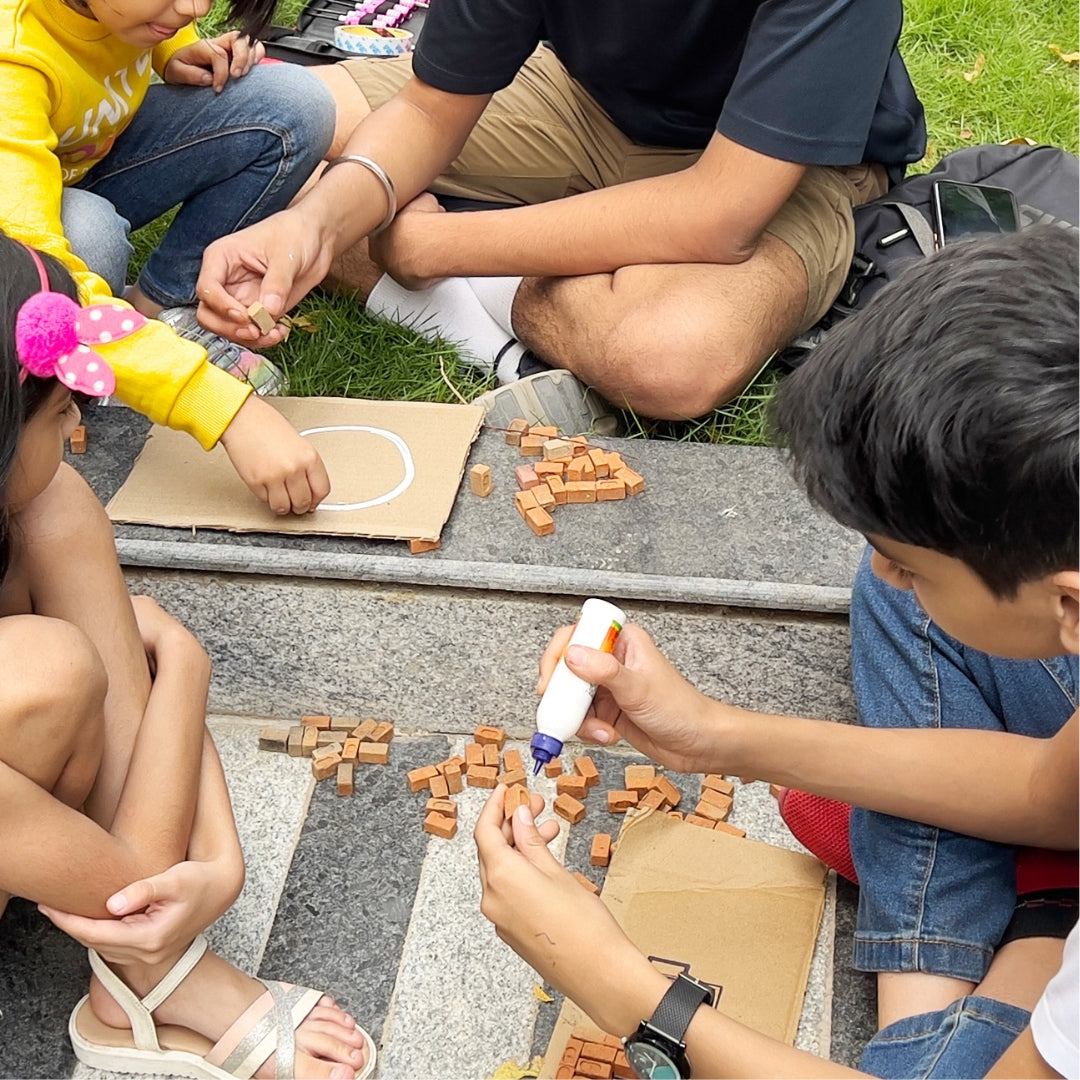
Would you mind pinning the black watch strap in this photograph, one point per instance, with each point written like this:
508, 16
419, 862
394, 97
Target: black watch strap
677, 1007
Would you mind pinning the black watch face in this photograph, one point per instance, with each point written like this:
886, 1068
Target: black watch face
650, 1061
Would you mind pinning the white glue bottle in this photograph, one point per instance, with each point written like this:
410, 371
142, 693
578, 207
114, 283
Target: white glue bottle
567, 698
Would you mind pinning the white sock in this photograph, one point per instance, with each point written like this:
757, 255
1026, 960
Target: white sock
496, 294
450, 310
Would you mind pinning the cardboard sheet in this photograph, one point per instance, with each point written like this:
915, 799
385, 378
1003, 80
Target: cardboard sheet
736, 913
394, 466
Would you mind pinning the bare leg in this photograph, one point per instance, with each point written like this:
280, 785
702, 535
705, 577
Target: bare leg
909, 993
670, 342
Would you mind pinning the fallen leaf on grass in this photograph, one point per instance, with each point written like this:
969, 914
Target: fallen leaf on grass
301, 322
538, 993
980, 63
1068, 58
965, 133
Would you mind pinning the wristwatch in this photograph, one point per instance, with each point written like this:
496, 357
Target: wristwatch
656, 1049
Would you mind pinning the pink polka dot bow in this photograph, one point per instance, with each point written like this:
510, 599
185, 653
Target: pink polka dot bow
54, 336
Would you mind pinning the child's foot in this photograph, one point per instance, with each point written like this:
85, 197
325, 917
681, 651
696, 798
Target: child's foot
247, 366
821, 826
215, 996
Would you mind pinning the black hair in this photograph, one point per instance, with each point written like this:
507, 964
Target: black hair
945, 415
253, 16
19, 401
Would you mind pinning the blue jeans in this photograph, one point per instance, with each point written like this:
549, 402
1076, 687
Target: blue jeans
932, 900
230, 159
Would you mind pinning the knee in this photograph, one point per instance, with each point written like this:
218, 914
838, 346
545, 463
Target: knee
98, 235
304, 108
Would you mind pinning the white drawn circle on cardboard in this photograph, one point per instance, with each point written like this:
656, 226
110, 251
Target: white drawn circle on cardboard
400, 445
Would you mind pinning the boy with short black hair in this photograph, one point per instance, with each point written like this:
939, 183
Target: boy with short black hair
942, 423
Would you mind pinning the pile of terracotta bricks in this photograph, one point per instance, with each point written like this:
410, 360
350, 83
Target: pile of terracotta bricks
335, 744
645, 788
568, 471
593, 1059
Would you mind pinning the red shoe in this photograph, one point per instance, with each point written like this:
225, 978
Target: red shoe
821, 826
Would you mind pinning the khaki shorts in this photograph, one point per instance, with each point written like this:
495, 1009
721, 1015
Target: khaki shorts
544, 137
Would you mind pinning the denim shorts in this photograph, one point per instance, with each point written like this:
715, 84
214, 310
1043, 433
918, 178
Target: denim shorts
929, 899
963, 1040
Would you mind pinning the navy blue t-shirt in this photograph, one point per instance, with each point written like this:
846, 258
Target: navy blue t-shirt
818, 82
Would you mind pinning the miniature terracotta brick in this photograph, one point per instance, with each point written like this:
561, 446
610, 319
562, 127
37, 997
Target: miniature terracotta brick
294, 747
511, 759
635, 482
703, 822
565, 1072
718, 783
569, 1058
420, 779
77, 440
342, 723
373, 753
677, 814
618, 802
558, 450
365, 730
321, 753
326, 767
438, 787
418, 547
620, 1067
558, 489
733, 830
575, 471
457, 760
491, 756
524, 501
383, 732
319, 721
586, 767
544, 499
545, 431
515, 796
615, 462
672, 795
274, 738
571, 784
515, 776
653, 799
309, 741
345, 778
547, 469
639, 778
540, 521
261, 317
453, 779
610, 490
593, 1070
575, 1043
553, 767
584, 882
515, 430
566, 806
446, 807
532, 445
600, 854
328, 738
474, 754
595, 1051
526, 477
709, 795
712, 811
580, 491
483, 776
480, 482
612, 1040
599, 461
438, 825
487, 735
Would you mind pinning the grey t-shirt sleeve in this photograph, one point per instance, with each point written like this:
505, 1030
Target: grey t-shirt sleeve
810, 77
476, 46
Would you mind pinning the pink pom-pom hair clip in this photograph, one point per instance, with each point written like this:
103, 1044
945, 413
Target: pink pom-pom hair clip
53, 337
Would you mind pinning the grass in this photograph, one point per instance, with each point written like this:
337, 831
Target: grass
985, 72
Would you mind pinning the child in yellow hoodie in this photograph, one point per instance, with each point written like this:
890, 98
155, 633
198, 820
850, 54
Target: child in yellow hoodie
90, 149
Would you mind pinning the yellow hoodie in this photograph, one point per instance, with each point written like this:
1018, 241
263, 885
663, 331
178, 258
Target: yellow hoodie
67, 89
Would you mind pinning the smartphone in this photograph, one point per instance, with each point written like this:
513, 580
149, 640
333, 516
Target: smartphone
964, 210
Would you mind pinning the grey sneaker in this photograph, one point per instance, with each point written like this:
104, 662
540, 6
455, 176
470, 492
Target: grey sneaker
267, 379
553, 397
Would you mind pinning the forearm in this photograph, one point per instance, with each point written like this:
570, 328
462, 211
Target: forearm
213, 828
1009, 788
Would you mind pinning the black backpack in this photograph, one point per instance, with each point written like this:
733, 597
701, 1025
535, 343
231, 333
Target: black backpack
1044, 179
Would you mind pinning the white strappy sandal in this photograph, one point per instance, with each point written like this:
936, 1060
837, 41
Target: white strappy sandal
266, 1027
